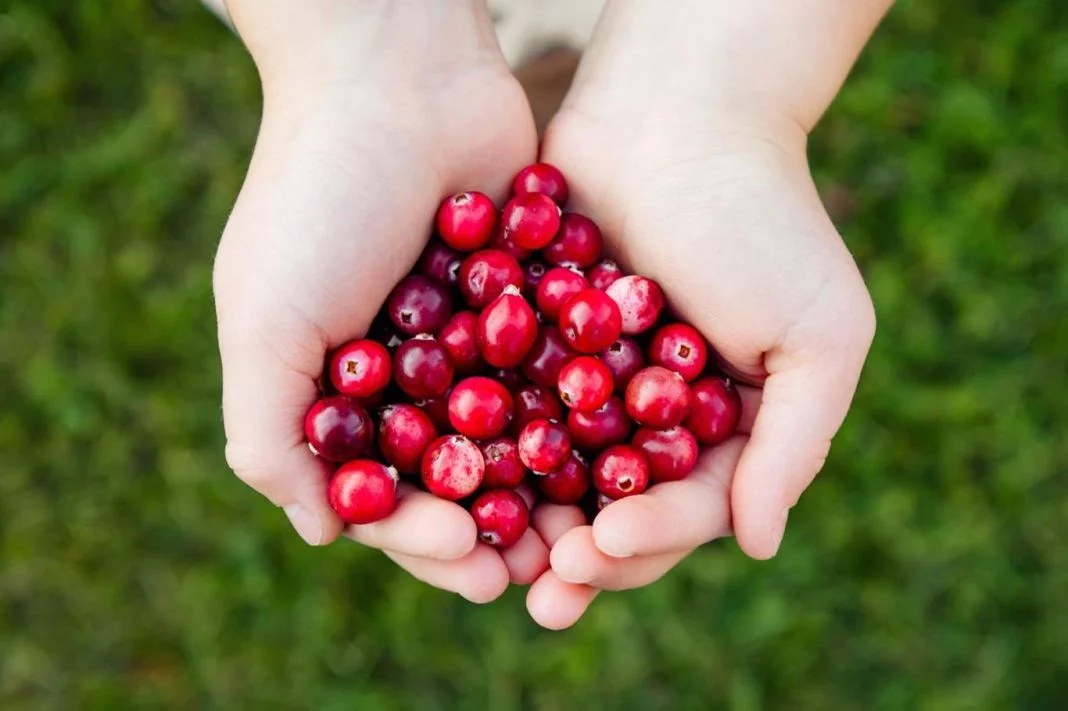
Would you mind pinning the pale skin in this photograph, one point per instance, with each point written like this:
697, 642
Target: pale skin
683, 136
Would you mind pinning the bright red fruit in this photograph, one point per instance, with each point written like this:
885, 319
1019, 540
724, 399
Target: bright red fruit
555, 289
640, 302
453, 467
419, 305
363, 492
544, 446
480, 407
339, 429
585, 384
715, 411
507, 329
459, 337
535, 403
421, 368
361, 368
679, 347
620, 471
568, 484
404, 433
593, 431
671, 453
504, 469
544, 179
485, 274
465, 221
577, 244
547, 356
590, 321
501, 517
624, 358
658, 398
602, 274
531, 220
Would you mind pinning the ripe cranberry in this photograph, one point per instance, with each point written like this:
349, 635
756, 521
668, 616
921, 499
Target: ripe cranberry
339, 429
480, 407
440, 263
453, 467
533, 273
578, 243
502, 242
593, 431
504, 469
602, 274
535, 403
568, 484
531, 220
715, 411
510, 378
466, 221
619, 471
361, 368
404, 433
501, 516
541, 178
658, 398
484, 275
679, 347
585, 384
547, 356
421, 367
544, 445
640, 301
624, 358
363, 492
671, 453
555, 289
507, 329
459, 338
437, 409
590, 321
418, 305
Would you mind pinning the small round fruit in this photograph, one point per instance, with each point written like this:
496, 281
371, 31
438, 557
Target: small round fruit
547, 356
440, 263
339, 429
531, 220
361, 368
679, 347
671, 453
421, 368
658, 398
602, 274
504, 469
535, 403
593, 431
502, 242
544, 446
363, 491
568, 484
501, 517
507, 329
577, 244
715, 411
640, 302
465, 221
544, 179
533, 273
624, 358
480, 407
459, 337
620, 471
510, 378
585, 384
453, 467
404, 433
590, 321
419, 305
437, 409
555, 289
485, 274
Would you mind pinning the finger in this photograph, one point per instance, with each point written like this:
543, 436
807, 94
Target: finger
552, 521
556, 605
422, 525
527, 559
750, 407
576, 559
480, 576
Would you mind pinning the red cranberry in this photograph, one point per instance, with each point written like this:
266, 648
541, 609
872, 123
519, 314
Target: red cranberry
624, 358
590, 321
360, 368
602, 274
453, 467
502, 242
535, 403
547, 356
504, 469
339, 429
466, 221
619, 471
507, 329
541, 178
658, 398
437, 409
568, 484
484, 275
593, 431
672, 453
640, 301
480, 408
715, 411
418, 305
557, 286
533, 273
577, 244
440, 263
585, 384
363, 492
404, 433
531, 220
501, 516
510, 378
679, 347
544, 445
459, 336
422, 369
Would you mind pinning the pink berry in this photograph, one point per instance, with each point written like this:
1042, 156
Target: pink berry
404, 433
555, 289
339, 429
361, 368
671, 453
507, 329
531, 220
363, 491
437, 409
501, 517
593, 431
421, 368
590, 321
535, 403
533, 273
624, 358
567, 485
466, 221
658, 398
547, 356
502, 242
620, 471
577, 244
453, 467
485, 274
504, 469
459, 337
715, 411
602, 274
679, 347
544, 179
640, 302
585, 384
544, 446
440, 263
480, 408
418, 305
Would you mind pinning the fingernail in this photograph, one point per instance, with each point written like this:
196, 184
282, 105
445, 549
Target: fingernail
305, 523
779, 530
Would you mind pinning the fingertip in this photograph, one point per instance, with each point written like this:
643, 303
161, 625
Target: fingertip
491, 579
422, 525
574, 558
619, 523
760, 536
552, 521
527, 559
557, 605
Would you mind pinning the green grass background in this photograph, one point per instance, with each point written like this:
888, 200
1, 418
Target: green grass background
926, 569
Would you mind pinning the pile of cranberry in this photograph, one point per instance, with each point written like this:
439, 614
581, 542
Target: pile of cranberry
515, 348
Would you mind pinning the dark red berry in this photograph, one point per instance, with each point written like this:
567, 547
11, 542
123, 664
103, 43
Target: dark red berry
640, 302
419, 305
577, 244
361, 368
440, 263
547, 356
620, 471
437, 409
501, 517
404, 433
715, 411
339, 429
502, 242
590, 321
585, 384
511, 378
544, 179
459, 336
531, 220
593, 431
485, 274
671, 453
568, 484
507, 329
602, 274
480, 408
555, 289
544, 446
422, 369
453, 467
533, 273
679, 347
363, 492
504, 469
466, 221
624, 358
657, 397
535, 403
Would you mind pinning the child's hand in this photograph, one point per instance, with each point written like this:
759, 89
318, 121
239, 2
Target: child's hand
359, 142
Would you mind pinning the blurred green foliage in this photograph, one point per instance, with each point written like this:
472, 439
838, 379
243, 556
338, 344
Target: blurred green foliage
926, 569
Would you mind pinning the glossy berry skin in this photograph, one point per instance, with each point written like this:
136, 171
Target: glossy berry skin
485, 274
620, 471
501, 517
511, 378
440, 263
437, 409
679, 347
547, 356
568, 484
555, 289
603, 274
657, 397
593, 431
363, 492
504, 469
404, 433
716, 410
465, 221
640, 302
459, 337
502, 242
480, 408
590, 321
624, 358
671, 453
531, 220
421, 368
419, 305
339, 429
578, 243
542, 178
361, 368
585, 384
453, 467
535, 403
533, 273
544, 446
507, 329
